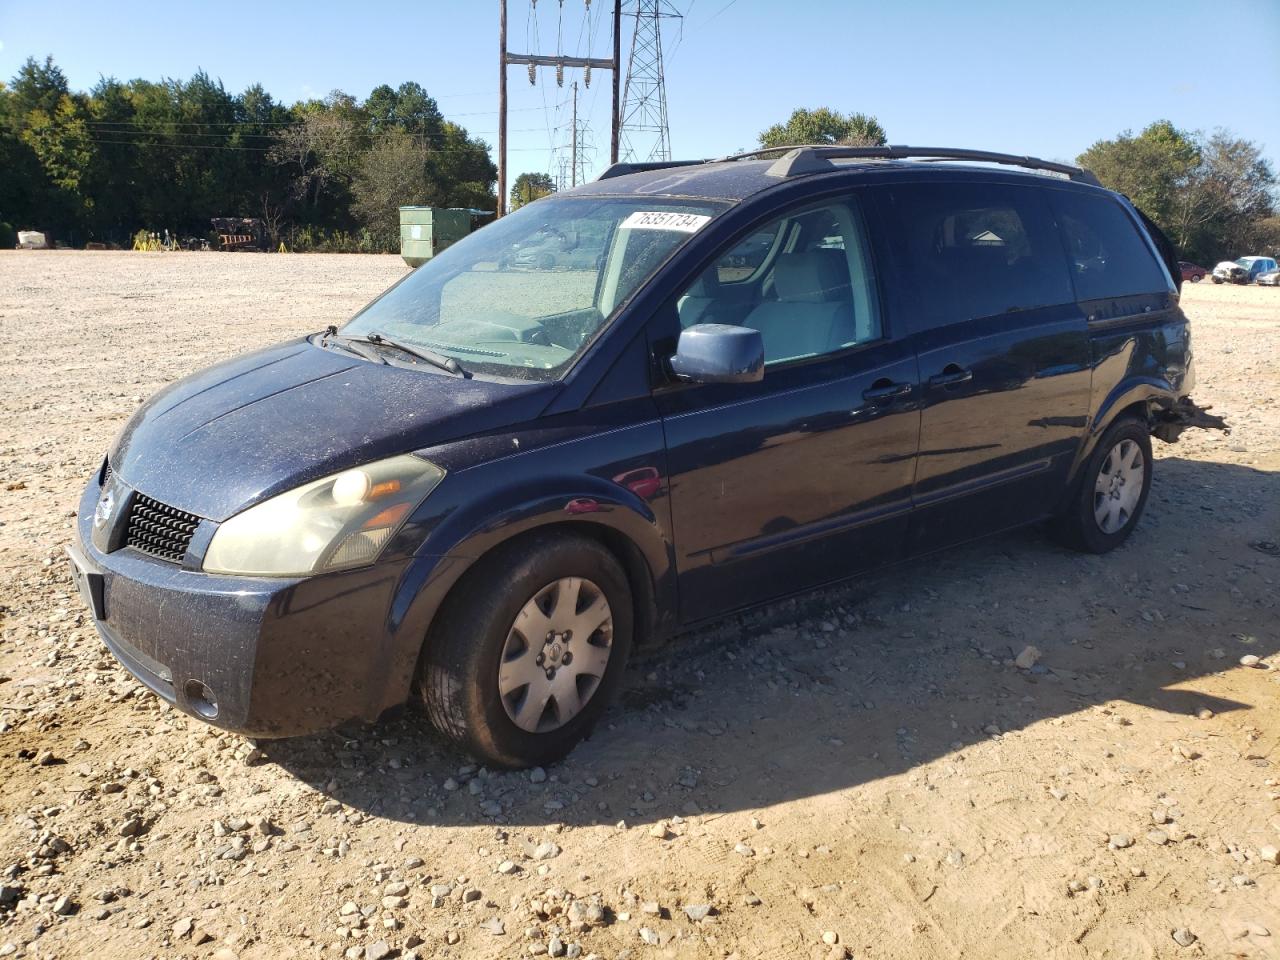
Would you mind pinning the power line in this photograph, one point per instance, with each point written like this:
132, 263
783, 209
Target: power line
159, 132
718, 12
216, 146
680, 39
284, 123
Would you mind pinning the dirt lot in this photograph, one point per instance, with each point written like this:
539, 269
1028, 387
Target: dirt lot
864, 773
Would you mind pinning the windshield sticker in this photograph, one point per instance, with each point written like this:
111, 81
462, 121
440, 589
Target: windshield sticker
662, 220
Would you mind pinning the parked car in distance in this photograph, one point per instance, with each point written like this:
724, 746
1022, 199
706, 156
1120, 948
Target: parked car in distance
493, 482
1191, 271
1243, 270
1269, 279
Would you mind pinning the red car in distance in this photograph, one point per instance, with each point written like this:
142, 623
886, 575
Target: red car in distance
1192, 272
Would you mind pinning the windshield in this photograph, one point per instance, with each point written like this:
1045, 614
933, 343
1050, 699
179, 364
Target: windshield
524, 296
1244, 262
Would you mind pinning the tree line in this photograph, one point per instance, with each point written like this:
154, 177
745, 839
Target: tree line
323, 173
1214, 196
329, 173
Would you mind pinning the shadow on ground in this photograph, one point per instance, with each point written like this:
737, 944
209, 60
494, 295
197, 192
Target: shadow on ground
865, 681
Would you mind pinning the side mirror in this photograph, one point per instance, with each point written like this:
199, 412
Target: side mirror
719, 353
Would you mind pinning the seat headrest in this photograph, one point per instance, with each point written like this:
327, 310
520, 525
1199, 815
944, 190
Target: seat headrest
707, 285
816, 276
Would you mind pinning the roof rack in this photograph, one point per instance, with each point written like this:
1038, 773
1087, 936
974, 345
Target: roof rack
816, 158
622, 169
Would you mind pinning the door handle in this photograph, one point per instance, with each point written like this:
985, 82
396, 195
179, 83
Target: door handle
886, 390
951, 374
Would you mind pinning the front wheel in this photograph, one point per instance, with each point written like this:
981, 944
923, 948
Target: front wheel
1217, 280
529, 650
1114, 484
1195, 278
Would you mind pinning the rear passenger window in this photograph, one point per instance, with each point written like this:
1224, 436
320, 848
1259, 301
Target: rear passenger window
975, 250
1109, 257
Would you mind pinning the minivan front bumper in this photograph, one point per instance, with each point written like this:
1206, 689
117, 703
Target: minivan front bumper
266, 657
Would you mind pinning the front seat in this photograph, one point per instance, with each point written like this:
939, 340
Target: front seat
695, 306
813, 313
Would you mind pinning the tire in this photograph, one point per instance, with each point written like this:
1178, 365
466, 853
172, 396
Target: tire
1105, 508
1197, 277
1217, 280
477, 646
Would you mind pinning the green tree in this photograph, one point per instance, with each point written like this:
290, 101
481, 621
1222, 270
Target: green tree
393, 174
49, 120
1152, 168
1209, 195
172, 153
407, 107
824, 125
38, 86
24, 188
1268, 236
112, 178
462, 169
529, 187
324, 147
1231, 197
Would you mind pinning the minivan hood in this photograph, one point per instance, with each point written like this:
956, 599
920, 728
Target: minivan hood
263, 423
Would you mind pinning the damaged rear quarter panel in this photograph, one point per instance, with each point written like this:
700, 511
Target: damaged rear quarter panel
1141, 354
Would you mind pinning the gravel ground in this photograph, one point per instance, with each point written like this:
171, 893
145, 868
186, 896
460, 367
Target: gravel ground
866, 772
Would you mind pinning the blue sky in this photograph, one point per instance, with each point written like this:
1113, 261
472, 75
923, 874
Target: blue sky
1030, 77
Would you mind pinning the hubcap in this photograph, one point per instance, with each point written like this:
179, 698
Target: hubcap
555, 655
1119, 486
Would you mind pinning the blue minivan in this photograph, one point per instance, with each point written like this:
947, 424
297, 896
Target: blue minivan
730, 381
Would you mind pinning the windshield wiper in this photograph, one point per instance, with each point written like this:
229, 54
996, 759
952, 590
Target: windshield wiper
430, 356
349, 344
427, 356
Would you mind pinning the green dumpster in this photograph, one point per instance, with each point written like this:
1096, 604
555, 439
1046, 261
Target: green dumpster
425, 231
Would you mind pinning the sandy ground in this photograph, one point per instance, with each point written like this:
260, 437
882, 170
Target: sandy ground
862, 773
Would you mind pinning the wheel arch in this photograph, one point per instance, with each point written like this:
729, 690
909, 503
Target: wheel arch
1134, 398
641, 576
621, 522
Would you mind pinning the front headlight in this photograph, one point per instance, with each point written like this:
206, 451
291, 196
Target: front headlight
338, 522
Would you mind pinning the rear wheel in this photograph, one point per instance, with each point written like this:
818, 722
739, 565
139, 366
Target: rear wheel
1196, 277
1113, 490
529, 650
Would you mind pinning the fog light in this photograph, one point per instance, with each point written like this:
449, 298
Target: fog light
200, 699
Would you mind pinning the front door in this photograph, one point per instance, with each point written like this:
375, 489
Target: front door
1003, 351
804, 477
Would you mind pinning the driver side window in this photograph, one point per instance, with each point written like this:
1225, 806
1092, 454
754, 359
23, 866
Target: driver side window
803, 280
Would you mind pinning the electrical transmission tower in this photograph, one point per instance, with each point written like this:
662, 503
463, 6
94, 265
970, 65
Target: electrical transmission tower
579, 146
644, 104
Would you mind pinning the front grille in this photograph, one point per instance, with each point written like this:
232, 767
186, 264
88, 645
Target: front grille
159, 530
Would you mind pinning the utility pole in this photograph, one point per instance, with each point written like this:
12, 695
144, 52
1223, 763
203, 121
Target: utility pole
616, 135
506, 59
573, 154
645, 101
502, 111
